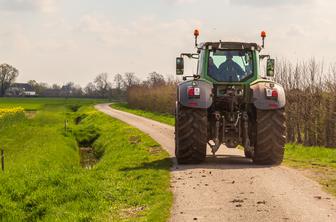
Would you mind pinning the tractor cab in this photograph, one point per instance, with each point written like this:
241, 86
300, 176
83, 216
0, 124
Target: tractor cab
227, 62
231, 62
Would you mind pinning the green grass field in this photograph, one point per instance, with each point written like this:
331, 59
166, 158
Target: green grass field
319, 162
44, 180
39, 103
163, 118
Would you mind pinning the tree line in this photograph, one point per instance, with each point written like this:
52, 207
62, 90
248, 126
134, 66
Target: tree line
310, 89
100, 87
311, 103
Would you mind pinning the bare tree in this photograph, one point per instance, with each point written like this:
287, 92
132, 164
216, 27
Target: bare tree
155, 79
103, 86
119, 81
130, 80
90, 90
8, 74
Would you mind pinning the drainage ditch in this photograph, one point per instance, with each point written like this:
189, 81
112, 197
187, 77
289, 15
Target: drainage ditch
86, 135
87, 157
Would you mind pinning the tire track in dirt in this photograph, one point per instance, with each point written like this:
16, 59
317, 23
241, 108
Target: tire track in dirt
230, 188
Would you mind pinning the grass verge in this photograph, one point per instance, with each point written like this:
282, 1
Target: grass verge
33, 104
163, 118
319, 163
44, 181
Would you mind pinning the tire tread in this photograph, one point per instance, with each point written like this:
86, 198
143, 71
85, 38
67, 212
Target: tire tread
271, 139
190, 135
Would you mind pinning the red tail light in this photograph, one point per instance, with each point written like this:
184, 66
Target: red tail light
272, 93
191, 92
194, 91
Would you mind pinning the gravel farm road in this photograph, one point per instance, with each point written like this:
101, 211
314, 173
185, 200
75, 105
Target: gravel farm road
230, 188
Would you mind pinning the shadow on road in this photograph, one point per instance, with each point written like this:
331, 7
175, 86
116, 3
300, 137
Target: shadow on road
221, 162
218, 162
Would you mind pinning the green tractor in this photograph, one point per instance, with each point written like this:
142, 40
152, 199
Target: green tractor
228, 102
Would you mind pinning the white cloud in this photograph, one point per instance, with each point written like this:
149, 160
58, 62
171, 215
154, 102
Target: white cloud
270, 3
180, 2
28, 5
15, 39
104, 31
143, 45
146, 30
296, 31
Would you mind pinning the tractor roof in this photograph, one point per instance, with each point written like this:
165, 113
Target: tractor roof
230, 45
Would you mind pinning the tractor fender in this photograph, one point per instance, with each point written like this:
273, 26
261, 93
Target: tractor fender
260, 99
204, 101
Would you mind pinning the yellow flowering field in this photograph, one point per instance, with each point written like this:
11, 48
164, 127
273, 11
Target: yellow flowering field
11, 112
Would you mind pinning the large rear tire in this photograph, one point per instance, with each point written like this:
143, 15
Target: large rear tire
190, 135
270, 137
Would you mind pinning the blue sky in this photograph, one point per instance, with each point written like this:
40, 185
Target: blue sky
74, 40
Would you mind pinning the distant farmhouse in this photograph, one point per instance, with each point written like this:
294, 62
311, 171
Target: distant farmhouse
20, 89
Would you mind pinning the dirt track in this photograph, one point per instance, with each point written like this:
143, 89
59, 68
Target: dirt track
231, 188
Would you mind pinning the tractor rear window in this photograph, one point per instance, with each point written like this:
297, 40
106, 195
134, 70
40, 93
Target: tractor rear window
230, 65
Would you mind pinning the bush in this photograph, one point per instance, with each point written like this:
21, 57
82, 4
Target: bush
156, 99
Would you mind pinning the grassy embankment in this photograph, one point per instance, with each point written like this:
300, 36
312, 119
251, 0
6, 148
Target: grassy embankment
318, 163
43, 178
160, 117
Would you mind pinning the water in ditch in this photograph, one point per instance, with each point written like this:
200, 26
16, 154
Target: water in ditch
87, 158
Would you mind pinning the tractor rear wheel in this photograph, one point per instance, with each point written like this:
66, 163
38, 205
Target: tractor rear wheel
190, 135
270, 137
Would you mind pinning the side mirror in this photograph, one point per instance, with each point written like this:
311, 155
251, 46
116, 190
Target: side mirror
270, 67
179, 66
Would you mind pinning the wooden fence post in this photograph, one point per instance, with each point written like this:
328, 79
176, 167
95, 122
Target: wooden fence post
3, 159
65, 125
